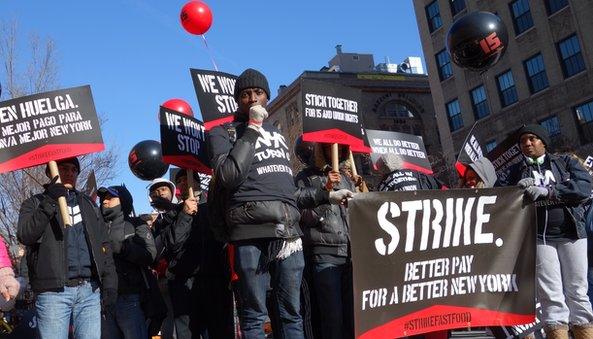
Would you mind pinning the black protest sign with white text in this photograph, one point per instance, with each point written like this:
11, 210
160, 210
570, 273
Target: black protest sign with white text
505, 155
36, 129
407, 147
331, 113
183, 141
434, 260
215, 92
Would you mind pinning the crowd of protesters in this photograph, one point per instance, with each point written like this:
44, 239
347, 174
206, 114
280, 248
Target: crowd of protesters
277, 248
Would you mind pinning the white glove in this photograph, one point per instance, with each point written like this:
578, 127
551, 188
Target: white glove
340, 197
534, 193
526, 182
257, 115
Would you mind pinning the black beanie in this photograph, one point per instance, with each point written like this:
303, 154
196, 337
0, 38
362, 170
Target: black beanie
73, 160
251, 78
537, 130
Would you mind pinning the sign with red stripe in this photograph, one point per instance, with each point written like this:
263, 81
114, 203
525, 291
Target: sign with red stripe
36, 129
215, 92
407, 149
433, 260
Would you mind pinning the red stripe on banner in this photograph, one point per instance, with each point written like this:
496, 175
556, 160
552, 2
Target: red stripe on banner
217, 122
333, 136
187, 162
47, 153
411, 166
361, 149
433, 319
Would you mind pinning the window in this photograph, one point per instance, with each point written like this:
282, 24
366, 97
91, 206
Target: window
444, 65
569, 50
521, 16
490, 145
552, 125
479, 102
536, 73
355, 57
554, 6
395, 109
454, 115
457, 6
433, 15
506, 88
584, 113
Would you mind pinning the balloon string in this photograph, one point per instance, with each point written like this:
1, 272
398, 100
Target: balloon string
209, 52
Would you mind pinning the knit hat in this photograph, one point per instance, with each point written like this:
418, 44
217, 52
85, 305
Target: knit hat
72, 160
251, 78
537, 130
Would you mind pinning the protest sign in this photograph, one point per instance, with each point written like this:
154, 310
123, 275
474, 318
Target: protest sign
90, 187
471, 150
331, 113
434, 260
183, 141
408, 148
39, 128
215, 92
505, 155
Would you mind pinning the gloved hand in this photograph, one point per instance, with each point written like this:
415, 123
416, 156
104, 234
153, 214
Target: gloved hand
257, 115
534, 193
340, 197
526, 182
108, 299
9, 286
55, 190
162, 204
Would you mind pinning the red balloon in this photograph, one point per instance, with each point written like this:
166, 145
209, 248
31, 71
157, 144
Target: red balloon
196, 17
179, 105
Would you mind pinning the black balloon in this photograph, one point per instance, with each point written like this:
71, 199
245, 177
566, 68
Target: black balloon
477, 40
145, 160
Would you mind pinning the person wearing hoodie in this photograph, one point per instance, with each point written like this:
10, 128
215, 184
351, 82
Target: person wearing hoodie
478, 174
67, 265
250, 159
133, 250
175, 241
560, 187
327, 243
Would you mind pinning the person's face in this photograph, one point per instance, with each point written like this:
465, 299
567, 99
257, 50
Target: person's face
68, 174
181, 183
110, 201
531, 146
251, 97
163, 192
471, 179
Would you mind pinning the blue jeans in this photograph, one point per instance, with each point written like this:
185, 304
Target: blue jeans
284, 276
126, 321
333, 289
54, 309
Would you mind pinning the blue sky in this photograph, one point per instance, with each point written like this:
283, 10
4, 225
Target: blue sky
135, 54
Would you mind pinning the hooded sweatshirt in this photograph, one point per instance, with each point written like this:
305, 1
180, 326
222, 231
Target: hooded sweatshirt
485, 170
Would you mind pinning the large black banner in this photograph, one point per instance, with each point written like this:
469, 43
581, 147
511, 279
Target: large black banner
407, 147
215, 92
183, 141
433, 260
331, 113
36, 129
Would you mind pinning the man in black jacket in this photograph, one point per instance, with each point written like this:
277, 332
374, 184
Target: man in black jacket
261, 213
67, 265
560, 186
133, 251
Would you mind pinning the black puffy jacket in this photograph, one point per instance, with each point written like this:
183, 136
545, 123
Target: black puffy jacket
325, 227
255, 169
572, 191
41, 230
133, 249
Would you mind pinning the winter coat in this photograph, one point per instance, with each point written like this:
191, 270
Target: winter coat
255, 169
572, 190
42, 231
325, 227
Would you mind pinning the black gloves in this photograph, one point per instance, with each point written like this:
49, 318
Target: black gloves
55, 190
108, 299
162, 204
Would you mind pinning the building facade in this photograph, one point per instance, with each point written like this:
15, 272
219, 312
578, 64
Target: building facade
396, 102
545, 76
